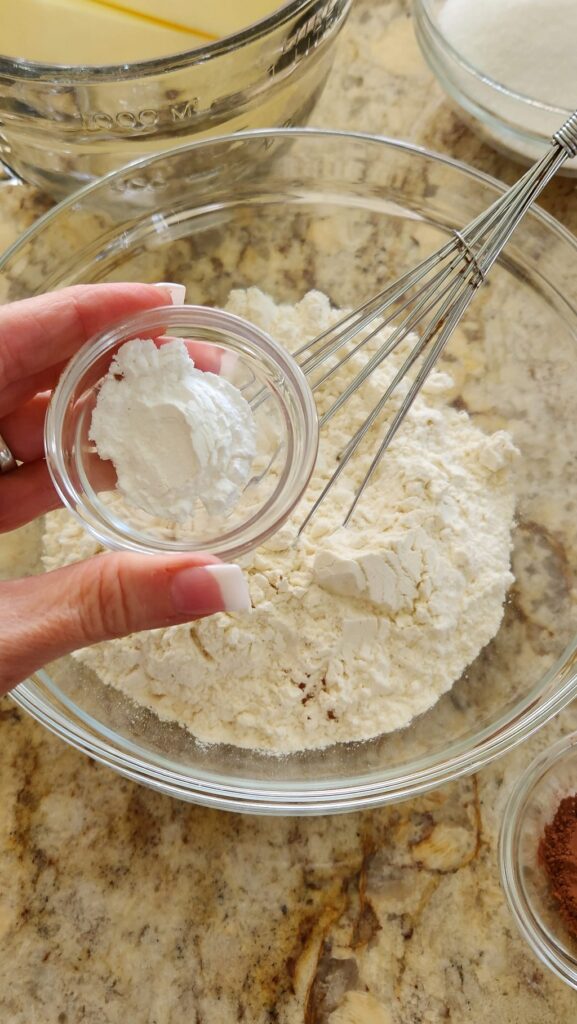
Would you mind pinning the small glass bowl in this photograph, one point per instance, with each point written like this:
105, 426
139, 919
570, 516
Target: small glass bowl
284, 410
520, 126
532, 805
62, 127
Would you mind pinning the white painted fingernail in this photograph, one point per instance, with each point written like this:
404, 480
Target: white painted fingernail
228, 363
233, 587
177, 292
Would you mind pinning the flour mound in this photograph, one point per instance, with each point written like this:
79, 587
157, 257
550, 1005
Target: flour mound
353, 631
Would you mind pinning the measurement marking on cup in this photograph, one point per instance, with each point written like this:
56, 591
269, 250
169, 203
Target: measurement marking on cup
182, 111
148, 117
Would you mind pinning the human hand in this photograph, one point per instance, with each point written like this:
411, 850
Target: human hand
111, 595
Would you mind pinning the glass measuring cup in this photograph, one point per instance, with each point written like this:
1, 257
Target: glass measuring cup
63, 126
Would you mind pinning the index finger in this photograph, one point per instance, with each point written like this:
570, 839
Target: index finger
46, 330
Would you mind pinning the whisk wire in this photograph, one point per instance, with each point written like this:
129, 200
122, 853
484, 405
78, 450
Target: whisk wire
337, 336
433, 298
430, 299
428, 364
334, 337
423, 294
361, 432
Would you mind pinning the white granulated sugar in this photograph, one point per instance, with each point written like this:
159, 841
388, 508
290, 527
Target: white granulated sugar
525, 45
354, 631
175, 435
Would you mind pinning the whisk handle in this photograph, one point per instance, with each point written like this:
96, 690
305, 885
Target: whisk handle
566, 136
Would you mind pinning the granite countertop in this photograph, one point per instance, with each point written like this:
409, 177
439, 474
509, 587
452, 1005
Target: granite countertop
120, 905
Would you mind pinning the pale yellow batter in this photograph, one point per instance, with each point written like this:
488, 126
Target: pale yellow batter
100, 32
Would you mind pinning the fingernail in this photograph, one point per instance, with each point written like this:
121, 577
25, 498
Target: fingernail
233, 587
228, 363
207, 589
177, 292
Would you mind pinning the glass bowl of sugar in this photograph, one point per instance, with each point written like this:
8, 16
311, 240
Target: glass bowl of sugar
182, 429
507, 64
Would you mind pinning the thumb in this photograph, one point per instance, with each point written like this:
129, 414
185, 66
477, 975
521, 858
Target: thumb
105, 597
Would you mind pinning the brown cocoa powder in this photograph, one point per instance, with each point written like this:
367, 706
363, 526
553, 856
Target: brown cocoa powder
558, 855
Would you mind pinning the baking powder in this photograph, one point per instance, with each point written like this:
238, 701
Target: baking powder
175, 435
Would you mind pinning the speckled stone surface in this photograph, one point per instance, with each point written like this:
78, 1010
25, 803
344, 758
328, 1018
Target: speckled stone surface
119, 905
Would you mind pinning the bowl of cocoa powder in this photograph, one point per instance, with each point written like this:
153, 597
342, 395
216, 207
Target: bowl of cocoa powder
538, 855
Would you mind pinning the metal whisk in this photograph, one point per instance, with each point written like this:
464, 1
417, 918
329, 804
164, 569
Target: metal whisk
431, 299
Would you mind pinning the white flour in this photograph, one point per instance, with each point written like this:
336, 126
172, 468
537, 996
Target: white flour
175, 435
356, 631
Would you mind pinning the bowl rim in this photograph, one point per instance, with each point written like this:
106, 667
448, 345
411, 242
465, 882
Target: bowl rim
209, 788
424, 6
277, 133
537, 937
69, 74
255, 796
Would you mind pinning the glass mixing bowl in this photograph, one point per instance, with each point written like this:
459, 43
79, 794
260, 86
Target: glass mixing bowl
61, 127
520, 126
532, 805
343, 213
286, 435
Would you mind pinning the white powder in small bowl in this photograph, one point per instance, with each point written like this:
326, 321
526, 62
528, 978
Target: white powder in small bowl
175, 435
